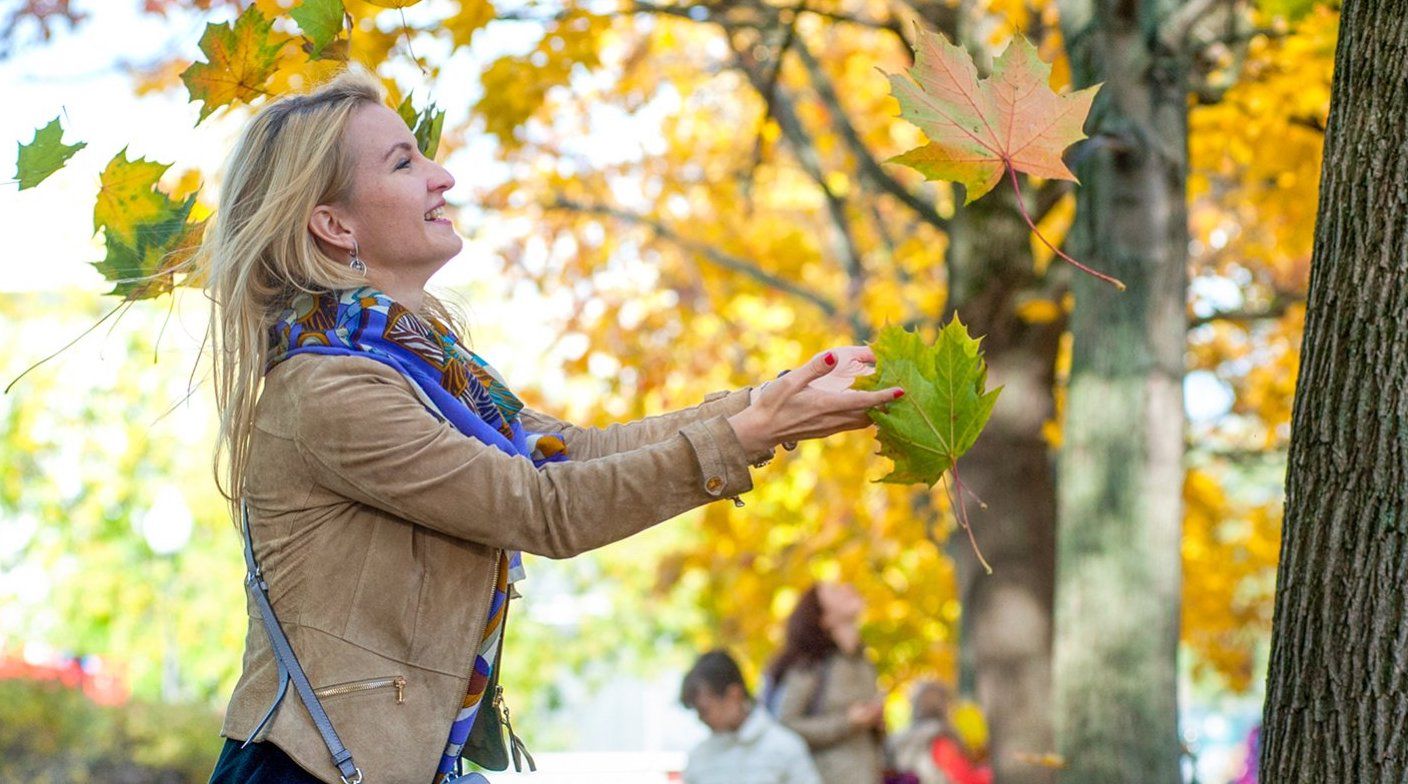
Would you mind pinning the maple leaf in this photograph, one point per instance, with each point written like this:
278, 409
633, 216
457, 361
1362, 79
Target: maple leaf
944, 409
393, 3
43, 156
144, 269
240, 59
127, 196
981, 129
320, 21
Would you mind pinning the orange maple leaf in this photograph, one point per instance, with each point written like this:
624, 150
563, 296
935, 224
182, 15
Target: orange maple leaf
981, 129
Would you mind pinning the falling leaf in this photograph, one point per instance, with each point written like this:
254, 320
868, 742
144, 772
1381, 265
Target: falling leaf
44, 156
945, 405
144, 269
127, 196
393, 3
240, 59
320, 21
977, 128
981, 129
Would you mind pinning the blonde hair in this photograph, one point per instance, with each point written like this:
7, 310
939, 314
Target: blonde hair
257, 253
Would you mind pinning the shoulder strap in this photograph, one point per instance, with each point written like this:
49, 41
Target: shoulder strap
814, 702
289, 668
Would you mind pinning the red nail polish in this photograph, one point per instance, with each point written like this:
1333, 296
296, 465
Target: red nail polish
829, 359
899, 393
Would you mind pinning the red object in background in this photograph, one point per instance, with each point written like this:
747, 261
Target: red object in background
953, 761
100, 687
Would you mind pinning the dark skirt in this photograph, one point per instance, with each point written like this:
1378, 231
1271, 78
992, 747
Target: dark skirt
257, 763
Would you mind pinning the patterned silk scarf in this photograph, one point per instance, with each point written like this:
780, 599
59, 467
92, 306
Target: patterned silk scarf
456, 386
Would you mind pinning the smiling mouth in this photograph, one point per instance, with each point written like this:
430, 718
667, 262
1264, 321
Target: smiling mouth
435, 214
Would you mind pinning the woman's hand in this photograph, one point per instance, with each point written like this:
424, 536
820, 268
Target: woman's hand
866, 714
809, 403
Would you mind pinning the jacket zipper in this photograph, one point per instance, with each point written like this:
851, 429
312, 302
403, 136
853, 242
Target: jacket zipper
365, 685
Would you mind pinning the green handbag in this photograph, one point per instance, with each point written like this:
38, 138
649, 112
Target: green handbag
486, 745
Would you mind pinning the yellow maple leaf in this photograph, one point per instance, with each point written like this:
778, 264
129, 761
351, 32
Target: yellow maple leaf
128, 197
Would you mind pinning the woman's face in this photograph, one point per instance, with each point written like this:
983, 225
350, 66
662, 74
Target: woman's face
841, 604
394, 209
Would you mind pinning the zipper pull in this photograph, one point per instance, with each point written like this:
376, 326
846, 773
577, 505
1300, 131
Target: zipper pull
400, 684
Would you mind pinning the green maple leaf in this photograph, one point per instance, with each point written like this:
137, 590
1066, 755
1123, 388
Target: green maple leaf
425, 125
240, 58
142, 269
44, 156
320, 21
946, 403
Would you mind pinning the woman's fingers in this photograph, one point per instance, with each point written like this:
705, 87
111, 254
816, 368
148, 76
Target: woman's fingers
818, 366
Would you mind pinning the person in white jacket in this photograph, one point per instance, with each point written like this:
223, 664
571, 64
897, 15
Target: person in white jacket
746, 745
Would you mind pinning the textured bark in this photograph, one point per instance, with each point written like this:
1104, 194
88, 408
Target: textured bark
1337, 689
1120, 472
1006, 622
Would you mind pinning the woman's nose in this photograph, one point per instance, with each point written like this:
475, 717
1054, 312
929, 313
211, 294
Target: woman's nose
442, 180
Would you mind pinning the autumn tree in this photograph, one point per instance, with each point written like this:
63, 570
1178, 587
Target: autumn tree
1337, 690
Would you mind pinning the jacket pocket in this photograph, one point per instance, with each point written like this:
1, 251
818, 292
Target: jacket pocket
394, 684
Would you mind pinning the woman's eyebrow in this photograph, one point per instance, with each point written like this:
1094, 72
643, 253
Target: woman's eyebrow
397, 146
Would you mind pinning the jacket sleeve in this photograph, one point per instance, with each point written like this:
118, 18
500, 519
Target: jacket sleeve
365, 435
590, 443
819, 730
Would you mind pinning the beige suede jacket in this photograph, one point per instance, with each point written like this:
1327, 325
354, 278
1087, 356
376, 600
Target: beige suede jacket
379, 527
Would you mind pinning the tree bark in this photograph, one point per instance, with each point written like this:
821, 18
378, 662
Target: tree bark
1005, 634
1337, 687
1120, 472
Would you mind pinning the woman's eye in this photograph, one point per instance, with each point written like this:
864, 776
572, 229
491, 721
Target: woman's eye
405, 162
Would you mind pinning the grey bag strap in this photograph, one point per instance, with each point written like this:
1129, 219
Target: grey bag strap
289, 668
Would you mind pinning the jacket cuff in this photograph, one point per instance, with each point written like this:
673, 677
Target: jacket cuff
733, 400
723, 466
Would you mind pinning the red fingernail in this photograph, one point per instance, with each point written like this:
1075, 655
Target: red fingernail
829, 359
899, 393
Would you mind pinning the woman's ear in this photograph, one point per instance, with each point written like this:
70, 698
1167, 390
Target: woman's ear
327, 226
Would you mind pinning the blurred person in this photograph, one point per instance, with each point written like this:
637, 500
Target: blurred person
384, 475
933, 748
822, 686
747, 746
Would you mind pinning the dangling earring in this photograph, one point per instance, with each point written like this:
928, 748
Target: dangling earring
356, 263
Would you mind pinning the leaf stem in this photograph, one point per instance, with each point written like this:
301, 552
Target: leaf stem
1021, 205
960, 513
67, 345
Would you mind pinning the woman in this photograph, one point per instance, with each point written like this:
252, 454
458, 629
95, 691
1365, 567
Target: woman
389, 475
824, 686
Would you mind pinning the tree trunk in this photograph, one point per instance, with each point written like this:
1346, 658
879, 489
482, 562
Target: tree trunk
1121, 472
1337, 689
1006, 624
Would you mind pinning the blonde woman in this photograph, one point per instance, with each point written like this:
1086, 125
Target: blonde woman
388, 477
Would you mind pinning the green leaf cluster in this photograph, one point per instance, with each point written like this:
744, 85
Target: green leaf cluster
145, 231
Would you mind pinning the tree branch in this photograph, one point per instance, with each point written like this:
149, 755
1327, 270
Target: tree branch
716, 256
870, 169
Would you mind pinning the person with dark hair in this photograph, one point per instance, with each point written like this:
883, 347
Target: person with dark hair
822, 686
746, 745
